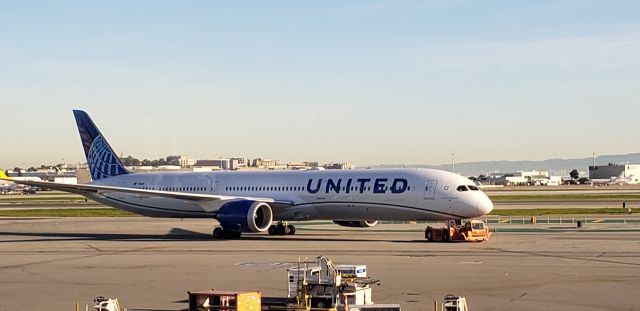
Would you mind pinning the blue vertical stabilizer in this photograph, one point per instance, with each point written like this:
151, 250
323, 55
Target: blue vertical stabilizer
102, 161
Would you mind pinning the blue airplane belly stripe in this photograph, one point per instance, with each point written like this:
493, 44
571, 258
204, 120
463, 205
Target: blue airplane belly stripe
302, 204
159, 208
382, 204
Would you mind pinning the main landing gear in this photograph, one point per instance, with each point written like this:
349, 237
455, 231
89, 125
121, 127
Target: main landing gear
220, 233
282, 228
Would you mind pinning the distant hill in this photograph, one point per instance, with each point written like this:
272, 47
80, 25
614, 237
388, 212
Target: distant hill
554, 166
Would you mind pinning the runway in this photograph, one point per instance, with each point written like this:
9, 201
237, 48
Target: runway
150, 264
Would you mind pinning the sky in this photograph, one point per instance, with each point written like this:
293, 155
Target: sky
365, 82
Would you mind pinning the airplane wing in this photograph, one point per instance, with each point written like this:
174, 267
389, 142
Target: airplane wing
83, 189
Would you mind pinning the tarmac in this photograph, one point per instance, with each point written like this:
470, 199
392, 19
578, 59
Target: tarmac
150, 264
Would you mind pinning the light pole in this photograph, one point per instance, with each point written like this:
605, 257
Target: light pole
453, 164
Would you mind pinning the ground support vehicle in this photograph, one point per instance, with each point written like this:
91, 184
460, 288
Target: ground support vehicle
105, 304
454, 303
213, 300
472, 230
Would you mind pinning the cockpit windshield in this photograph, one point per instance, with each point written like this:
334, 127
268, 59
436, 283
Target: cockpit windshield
467, 188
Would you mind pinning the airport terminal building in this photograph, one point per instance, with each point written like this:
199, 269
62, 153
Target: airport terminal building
613, 170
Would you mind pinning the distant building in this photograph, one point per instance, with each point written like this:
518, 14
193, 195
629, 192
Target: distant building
311, 164
224, 164
181, 160
239, 163
301, 165
339, 166
268, 164
296, 166
519, 178
262, 162
613, 170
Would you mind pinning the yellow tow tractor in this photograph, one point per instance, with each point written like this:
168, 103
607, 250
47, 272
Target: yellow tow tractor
475, 230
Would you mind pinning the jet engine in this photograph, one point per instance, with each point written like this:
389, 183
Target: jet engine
245, 216
356, 223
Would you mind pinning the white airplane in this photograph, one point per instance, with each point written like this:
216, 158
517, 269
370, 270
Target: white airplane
614, 181
8, 185
5, 186
244, 202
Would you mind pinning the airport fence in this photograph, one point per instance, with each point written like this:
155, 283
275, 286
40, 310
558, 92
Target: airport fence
557, 220
547, 220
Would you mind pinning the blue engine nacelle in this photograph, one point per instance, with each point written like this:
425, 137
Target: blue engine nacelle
245, 216
356, 223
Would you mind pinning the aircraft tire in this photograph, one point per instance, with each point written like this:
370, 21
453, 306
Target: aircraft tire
281, 229
429, 235
273, 230
218, 233
292, 229
445, 236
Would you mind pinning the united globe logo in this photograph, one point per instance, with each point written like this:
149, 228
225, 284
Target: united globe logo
102, 161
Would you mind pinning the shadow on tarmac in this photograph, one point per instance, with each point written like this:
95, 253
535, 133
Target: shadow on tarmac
178, 234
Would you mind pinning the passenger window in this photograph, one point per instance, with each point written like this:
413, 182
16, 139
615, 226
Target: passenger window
462, 188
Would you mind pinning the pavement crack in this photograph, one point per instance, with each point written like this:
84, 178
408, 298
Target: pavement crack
519, 297
95, 248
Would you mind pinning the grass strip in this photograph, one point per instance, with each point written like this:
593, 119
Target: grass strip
562, 211
27, 198
565, 197
67, 212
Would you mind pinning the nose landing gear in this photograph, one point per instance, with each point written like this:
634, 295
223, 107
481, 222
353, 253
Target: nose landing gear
282, 228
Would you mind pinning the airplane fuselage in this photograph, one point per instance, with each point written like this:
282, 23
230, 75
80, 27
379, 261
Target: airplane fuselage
371, 194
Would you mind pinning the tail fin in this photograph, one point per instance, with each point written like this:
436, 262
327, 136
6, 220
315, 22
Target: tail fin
102, 161
3, 175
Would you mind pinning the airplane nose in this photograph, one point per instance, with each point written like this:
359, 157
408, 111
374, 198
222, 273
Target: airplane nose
484, 205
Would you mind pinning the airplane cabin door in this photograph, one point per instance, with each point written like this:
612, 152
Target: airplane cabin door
430, 189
